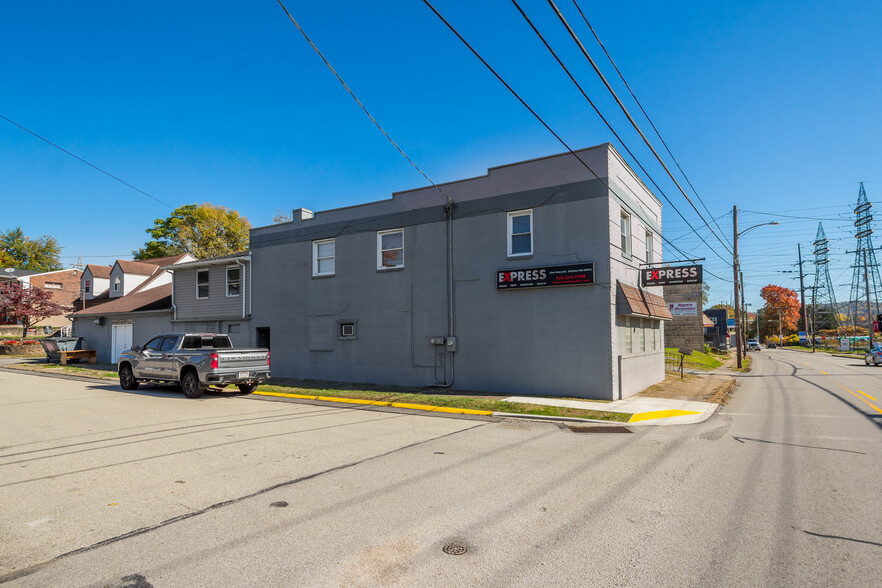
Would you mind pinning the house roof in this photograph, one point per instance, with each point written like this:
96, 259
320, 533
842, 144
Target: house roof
99, 271
160, 261
707, 321
158, 298
140, 268
632, 301
245, 255
17, 273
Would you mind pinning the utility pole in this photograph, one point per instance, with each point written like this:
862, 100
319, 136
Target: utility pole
735, 278
869, 308
805, 323
744, 316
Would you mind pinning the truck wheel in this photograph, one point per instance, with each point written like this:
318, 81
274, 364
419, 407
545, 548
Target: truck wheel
247, 388
191, 386
127, 379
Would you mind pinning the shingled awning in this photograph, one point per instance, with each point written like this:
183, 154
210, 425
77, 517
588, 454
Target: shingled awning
632, 301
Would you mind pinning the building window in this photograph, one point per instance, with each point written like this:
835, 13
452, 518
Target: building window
233, 329
54, 285
346, 330
649, 244
323, 255
390, 249
87, 286
642, 335
629, 345
626, 234
117, 284
201, 283
233, 281
520, 233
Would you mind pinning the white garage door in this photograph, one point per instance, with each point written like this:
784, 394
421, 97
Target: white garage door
122, 340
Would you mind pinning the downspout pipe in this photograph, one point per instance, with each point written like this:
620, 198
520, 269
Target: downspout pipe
242, 284
174, 308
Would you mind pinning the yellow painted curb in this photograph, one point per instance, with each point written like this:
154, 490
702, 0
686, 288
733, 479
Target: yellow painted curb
425, 407
659, 414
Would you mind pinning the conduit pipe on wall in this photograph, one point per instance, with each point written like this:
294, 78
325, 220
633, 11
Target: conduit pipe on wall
242, 284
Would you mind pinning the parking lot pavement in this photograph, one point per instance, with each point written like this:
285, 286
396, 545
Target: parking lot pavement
83, 462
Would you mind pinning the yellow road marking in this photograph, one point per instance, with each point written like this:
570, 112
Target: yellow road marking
659, 414
380, 403
867, 395
876, 408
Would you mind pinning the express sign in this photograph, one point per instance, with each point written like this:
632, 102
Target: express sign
671, 276
540, 277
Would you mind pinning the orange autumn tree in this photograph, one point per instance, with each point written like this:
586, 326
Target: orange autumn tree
785, 304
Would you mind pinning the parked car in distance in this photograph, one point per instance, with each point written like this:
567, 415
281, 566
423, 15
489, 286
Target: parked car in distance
195, 361
772, 346
874, 355
753, 345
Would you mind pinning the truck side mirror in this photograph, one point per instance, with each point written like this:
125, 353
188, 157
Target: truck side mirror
135, 348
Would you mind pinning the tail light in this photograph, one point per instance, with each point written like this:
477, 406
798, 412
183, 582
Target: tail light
267, 359
213, 361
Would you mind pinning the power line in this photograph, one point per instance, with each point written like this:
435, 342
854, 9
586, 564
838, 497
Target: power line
631, 119
657, 133
603, 118
354, 97
524, 103
92, 165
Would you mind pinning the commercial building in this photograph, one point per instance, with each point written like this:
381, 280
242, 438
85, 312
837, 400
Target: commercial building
524, 280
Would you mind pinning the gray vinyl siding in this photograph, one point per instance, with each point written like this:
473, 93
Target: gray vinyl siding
100, 337
218, 305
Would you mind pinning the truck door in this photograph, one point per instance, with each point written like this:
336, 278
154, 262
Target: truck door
146, 366
165, 361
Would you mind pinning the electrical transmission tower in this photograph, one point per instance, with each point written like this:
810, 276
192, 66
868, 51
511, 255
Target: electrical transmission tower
824, 307
863, 302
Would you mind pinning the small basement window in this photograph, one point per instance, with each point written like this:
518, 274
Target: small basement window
346, 330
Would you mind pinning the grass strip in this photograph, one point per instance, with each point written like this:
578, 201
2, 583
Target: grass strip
449, 401
377, 397
698, 360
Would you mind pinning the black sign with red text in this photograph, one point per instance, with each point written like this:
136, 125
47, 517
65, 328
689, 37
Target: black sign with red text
672, 276
543, 277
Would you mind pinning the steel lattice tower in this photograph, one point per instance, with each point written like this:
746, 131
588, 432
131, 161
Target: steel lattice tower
866, 282
823, 298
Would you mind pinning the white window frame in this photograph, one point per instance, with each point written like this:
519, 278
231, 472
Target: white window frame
117, 284
510, 235
54, 285
629, 336
207, 284
237, 282
625, 232
650, 244
380, 249
316, 258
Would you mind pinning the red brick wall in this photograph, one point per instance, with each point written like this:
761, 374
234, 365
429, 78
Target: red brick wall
70, 285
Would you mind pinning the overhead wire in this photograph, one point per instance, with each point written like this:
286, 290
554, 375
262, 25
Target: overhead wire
646, 114
522, 101
584, 51
92, 165
600, 114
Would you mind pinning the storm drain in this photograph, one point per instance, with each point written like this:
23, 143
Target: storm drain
619, 429
454, 549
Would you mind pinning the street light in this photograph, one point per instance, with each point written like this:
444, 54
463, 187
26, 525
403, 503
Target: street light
739, 344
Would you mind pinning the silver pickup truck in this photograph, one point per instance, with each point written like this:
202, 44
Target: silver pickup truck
195, 361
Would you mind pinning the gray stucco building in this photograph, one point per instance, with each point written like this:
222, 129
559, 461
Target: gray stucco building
524, 280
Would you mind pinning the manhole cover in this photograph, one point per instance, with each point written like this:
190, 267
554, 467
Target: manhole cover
575, 429
279, 504
454, 549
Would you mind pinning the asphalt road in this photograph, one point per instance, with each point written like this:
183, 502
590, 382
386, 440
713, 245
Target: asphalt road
101, 487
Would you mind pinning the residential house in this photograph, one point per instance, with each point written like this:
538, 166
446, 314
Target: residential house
124, 304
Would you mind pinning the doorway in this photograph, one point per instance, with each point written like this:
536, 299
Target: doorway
263, 337
121, 340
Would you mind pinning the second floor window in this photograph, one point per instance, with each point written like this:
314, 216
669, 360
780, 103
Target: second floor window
233, 281
520, 233
650, 258
323, 257
117, 284
87, 286
201, 283
626, 234
390, 249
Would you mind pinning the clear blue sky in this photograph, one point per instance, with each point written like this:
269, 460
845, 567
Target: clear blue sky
773, 106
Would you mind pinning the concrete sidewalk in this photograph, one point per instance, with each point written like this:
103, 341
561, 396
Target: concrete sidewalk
646, 410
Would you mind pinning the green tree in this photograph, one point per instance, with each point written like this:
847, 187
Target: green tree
705, 294
22, 252
730, 311
204, 230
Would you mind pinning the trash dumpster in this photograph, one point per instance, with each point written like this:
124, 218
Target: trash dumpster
53, 346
